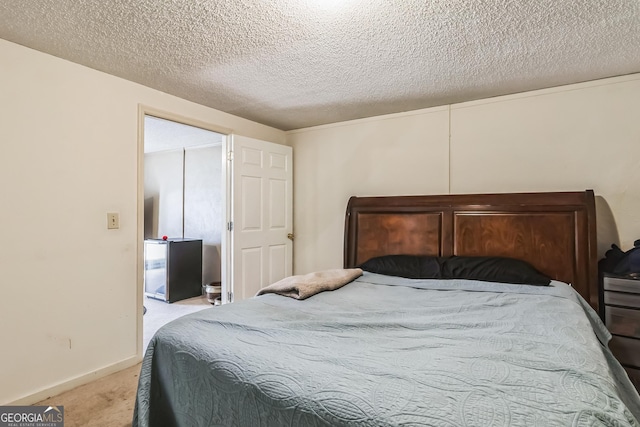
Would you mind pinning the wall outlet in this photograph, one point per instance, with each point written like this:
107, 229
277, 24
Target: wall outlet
113, 220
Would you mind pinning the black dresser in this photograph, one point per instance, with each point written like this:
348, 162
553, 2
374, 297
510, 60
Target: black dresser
622, 318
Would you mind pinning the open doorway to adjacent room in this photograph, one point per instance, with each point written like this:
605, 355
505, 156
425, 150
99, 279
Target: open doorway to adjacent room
184, 217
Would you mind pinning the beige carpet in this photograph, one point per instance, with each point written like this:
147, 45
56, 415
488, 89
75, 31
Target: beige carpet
109, 401
106, 402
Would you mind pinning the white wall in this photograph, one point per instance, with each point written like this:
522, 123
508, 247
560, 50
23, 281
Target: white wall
68, 155
568, 138
164, 193
203, 202
389, 155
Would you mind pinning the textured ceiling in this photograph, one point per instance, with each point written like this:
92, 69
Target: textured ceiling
298, 63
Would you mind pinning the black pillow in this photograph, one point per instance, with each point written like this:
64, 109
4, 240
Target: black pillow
409, 266
490, 269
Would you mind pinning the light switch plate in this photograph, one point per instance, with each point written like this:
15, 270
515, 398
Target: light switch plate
113, 220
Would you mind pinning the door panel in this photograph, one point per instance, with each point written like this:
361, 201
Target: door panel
251, 204
277, 204
261, 213
278, 262
251, 265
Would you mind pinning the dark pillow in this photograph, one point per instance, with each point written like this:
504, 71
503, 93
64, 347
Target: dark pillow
489, 269
409, 266
492, 269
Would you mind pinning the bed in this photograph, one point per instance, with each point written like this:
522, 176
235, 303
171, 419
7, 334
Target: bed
394, 351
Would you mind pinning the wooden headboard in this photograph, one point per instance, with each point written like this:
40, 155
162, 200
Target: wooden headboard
554, 232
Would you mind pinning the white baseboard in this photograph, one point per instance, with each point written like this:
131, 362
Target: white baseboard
75, 382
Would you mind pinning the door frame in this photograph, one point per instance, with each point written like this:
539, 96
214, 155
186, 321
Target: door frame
146, 110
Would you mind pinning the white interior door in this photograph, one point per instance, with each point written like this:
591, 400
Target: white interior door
262, 215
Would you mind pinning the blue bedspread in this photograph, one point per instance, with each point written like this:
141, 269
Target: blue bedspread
385, 351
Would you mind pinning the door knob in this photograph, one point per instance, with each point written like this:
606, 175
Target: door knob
290, 236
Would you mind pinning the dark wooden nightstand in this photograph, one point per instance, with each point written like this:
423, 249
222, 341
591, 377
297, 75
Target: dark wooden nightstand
622, 318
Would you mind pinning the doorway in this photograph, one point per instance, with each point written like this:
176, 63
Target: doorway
184, 184
251, 170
